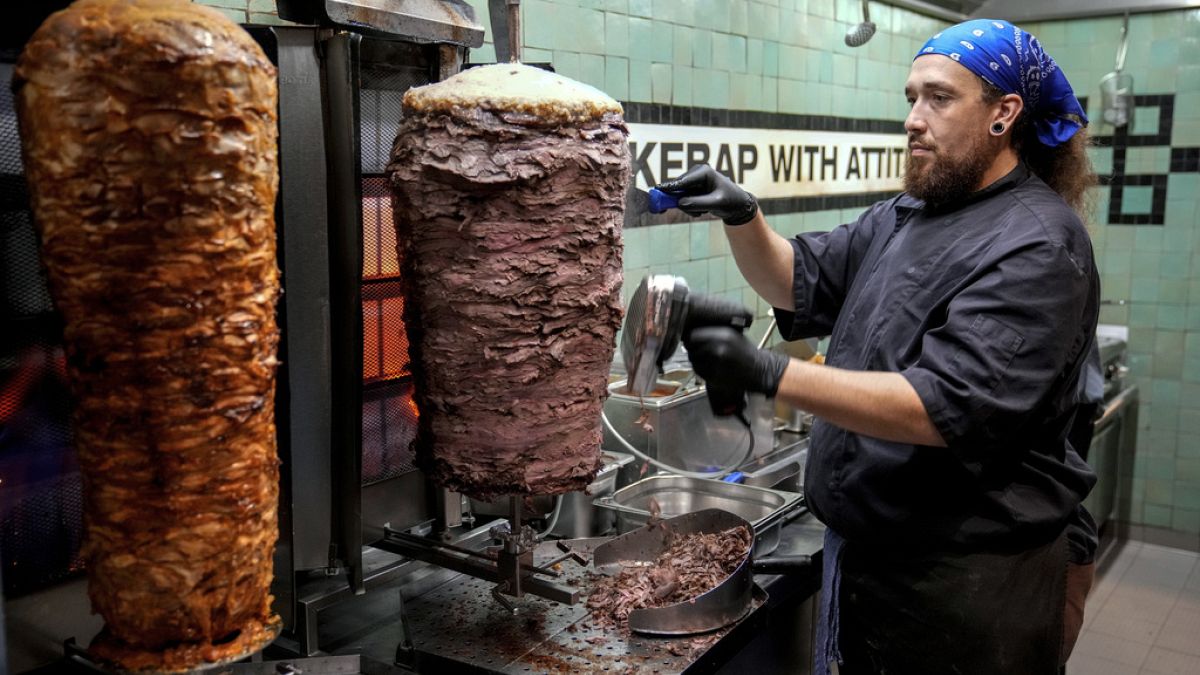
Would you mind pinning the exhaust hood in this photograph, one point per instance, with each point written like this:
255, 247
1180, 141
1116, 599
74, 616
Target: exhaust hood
1026, 11
444, 21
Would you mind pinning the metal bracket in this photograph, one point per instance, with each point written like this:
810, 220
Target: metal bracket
505, 16
510, 567
406, 652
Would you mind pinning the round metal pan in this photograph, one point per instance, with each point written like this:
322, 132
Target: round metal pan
728, 602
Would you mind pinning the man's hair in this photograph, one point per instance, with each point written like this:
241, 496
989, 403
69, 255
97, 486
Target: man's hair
1066, 168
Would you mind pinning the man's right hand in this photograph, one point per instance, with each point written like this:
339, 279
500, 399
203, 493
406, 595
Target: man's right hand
702, 190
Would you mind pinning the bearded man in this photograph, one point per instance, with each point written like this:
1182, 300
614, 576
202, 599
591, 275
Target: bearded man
961, 315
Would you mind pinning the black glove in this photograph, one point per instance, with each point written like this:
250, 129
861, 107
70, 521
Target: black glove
727, 360
703, 190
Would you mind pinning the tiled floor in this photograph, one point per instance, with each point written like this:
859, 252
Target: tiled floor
1143, 616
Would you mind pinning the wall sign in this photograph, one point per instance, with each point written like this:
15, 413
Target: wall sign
792, 163
771, 163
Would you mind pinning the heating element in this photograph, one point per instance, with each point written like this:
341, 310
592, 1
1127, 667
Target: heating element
41, 498
355, 512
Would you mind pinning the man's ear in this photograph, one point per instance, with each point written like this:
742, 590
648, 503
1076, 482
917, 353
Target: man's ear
1009, 108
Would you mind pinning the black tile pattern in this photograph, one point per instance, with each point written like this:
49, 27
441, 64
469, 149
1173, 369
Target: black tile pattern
1183, 159
660, 113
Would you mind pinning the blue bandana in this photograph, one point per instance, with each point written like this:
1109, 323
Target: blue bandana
1013, 61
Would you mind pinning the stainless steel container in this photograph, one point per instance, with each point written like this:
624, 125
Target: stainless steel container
783, 469
676, 425
579, 517
766, 509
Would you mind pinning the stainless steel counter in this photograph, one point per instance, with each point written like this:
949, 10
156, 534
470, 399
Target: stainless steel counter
456, 627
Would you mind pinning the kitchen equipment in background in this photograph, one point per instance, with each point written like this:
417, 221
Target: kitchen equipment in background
781, 469
579, 517
1116, 88
1112, 450
505, 17
860, 34
346, 391
674, 424
764, 508
660, 312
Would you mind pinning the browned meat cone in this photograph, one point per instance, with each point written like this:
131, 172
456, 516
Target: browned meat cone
509, 187
149, 138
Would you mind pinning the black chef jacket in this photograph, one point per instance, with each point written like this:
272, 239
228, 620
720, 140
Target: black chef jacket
987, 308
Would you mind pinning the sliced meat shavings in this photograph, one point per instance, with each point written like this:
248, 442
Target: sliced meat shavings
692, 565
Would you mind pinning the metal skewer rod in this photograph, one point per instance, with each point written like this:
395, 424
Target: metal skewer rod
422, 541
514, 31
514, 513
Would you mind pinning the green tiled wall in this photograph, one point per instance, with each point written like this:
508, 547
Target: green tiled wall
788, 56
262, 12
1155, 268
776, 56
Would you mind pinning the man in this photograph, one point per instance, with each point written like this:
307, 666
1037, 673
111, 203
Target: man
962, 313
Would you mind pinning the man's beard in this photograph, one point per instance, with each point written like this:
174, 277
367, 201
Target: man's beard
941, 179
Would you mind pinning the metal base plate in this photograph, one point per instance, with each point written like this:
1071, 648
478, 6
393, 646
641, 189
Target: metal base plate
459, 626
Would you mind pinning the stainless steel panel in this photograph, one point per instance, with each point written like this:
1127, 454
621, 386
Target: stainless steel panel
680, 428
579, 517
342, 85
1104, 456
782, 469
400, 503
676, 495
303, 398
451, 21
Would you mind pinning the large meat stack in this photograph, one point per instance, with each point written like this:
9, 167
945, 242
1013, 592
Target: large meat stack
149, 137
509, 186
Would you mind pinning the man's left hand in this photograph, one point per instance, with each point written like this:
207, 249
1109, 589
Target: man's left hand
724, 357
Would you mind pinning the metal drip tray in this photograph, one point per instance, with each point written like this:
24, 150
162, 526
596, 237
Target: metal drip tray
766, 509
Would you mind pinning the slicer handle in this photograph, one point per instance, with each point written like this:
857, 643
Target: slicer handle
713, 310
783, 564
661, 201
725, 402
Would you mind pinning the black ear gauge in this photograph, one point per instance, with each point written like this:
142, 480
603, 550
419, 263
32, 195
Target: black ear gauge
998, 128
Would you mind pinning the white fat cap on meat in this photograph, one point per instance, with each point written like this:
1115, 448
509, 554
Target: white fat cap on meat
513, 87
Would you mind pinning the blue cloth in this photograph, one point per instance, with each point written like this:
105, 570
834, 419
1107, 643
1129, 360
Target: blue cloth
826, 650
1015, 62
1091, 385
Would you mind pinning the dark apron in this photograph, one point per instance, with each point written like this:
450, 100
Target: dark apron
974, 614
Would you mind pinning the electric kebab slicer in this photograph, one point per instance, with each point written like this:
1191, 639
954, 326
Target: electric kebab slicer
663, 310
